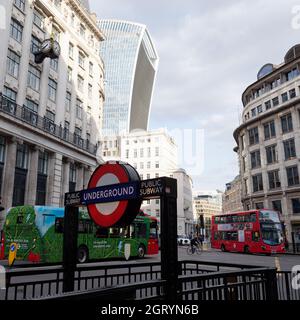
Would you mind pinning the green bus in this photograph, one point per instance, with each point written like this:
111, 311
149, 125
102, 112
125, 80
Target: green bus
38, 233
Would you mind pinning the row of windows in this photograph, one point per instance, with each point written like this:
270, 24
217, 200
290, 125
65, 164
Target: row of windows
274, 179
268, 104
38, 20
276, 205
287, 76
142, 152
148, 176
147, 165
269, 130
156, 139
272, 154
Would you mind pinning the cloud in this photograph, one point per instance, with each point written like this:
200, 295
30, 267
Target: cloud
210, 51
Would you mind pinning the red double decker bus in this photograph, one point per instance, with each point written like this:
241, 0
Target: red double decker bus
255, 231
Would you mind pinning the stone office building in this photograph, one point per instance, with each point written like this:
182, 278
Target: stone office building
50, 114
268, 141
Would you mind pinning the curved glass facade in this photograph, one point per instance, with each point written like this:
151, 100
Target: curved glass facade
130, 63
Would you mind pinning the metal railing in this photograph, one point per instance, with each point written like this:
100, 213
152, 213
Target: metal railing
197, 281
45, 124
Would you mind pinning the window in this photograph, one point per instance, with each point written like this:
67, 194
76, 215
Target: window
13, 63
257, 183
77, 136
268, 105
66, 130
69, 74
275, 101
10, 94
82, 30
56, 34
2, 149
287, 123
22, 156
271, 153
253, 112
291, 74
54, 64
259, 205
35, 44
275, 83
127, 154
43, 163
255, 159
89, 115
142, 165
259, 109
148, 165
29, 112
16, 30
20, 4
71, 50
289, 149
296, 205
292, 93
91, 69
253, 136
142, 153
284, 97
292, 176
38, 19
274, 181
135, 153
148, 175
72, 177
34, 78
52, 89
79, 109
68, 101
90, 91
81, 60
269, 130
156, 164
277, 205
80, 83
50, 116
156, 151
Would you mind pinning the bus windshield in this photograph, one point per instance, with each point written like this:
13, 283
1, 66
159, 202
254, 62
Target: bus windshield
271, 228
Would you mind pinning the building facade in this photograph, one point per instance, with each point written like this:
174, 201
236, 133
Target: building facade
268, 141
153, 154
205, 207
185, 217
232, 197
51, 113
131, 63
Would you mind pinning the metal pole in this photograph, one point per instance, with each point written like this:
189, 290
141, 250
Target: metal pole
70, 247
169, 250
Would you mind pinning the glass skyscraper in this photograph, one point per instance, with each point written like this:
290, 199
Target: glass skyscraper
131, 62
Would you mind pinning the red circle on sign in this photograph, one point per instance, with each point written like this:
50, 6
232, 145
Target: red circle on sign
107, 220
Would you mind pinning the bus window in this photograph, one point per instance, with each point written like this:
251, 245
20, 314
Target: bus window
153, 230
253, 217
101, 232
59, 225
216, 235
247, 218
229, 219
141, 230
217, 219
84, 226
234, 218
233, 236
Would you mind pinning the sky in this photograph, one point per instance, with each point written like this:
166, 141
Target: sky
209, 51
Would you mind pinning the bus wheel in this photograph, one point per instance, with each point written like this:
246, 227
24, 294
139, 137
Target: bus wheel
246, 250
141, 251
82, 254
223, 248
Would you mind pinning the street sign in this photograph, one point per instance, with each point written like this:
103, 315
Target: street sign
152, 188
110, 193
73, 198
123, 202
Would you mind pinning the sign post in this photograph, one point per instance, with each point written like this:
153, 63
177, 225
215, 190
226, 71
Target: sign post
113, 198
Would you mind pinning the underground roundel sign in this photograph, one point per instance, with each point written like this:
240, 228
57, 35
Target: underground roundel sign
114, 213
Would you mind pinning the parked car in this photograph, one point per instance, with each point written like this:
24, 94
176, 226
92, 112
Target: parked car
183, 241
